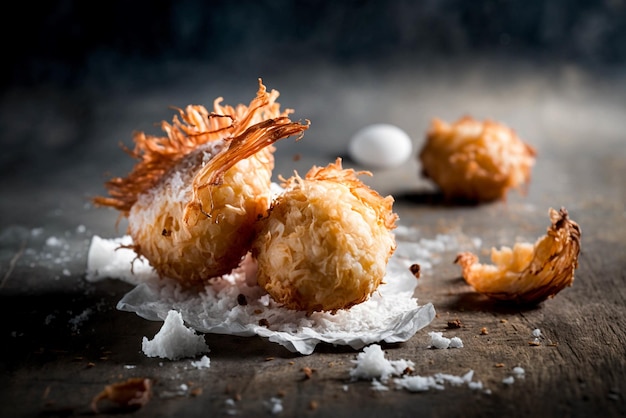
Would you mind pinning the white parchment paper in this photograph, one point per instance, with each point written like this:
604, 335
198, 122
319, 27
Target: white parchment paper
233, 306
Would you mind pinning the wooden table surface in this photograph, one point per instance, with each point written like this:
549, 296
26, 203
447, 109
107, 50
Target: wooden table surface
64, 341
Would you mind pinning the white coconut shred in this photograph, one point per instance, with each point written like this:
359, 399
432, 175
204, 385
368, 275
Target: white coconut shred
392, 314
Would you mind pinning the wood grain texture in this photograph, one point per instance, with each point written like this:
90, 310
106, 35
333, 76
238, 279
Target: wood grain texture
64, 340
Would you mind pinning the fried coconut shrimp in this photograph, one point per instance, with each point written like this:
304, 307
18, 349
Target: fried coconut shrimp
528, 273
326, 241
475, 161
194, 195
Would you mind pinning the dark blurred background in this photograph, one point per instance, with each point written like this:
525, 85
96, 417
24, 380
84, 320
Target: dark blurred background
71, 41
80, 76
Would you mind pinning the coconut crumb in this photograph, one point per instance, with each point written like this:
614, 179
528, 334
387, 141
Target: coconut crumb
519, 372
203, 363
274, 405
438, 341
508, 380
378, 386
372, 364
174, 340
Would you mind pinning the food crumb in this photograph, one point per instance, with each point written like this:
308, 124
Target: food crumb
308, 372
274, 405
437, 340
174, 340
454, 324
484, 331
313, 405
132, 393
415, 270
203, 363
378, 386
499, 365
508, 380
519, 372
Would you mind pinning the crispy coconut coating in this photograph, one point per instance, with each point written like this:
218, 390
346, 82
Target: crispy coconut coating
194, 196
528, 273
326, 241
477, 161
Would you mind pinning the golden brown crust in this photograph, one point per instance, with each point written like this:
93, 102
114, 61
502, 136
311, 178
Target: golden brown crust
192, 127
194, 196
477, 161
527, 273
326, 241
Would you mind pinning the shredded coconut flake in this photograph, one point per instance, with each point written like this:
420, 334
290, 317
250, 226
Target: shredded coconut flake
437, 340
391, 314
275, 405
519, 372
508, 380
174, 340
203, 363
372, 364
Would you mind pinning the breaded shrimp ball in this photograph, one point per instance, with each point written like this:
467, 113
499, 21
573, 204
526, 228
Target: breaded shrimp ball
326, 241
194, 196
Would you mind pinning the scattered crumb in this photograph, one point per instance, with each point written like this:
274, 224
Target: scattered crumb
537, 333
203, 363
519, 372
484, 331
437, 340
415, 270
270, 358
308, 372
230, 407
498, 365
534, 343
174, 340
378, 386
313, 405
508, 380
504, 321
274, 405
454, 324
131, 394
264, 322
372, 364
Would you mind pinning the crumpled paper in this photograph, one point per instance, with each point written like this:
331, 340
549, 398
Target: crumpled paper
235, 305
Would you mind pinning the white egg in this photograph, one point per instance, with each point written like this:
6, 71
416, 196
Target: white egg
380, 146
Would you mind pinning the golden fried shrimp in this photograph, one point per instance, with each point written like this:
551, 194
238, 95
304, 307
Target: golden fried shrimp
477, 161
195, 194
528, 273
325, 242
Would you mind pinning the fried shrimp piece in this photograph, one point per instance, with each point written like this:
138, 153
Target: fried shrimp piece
194, 195
476, 161
326, 241
528, 273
